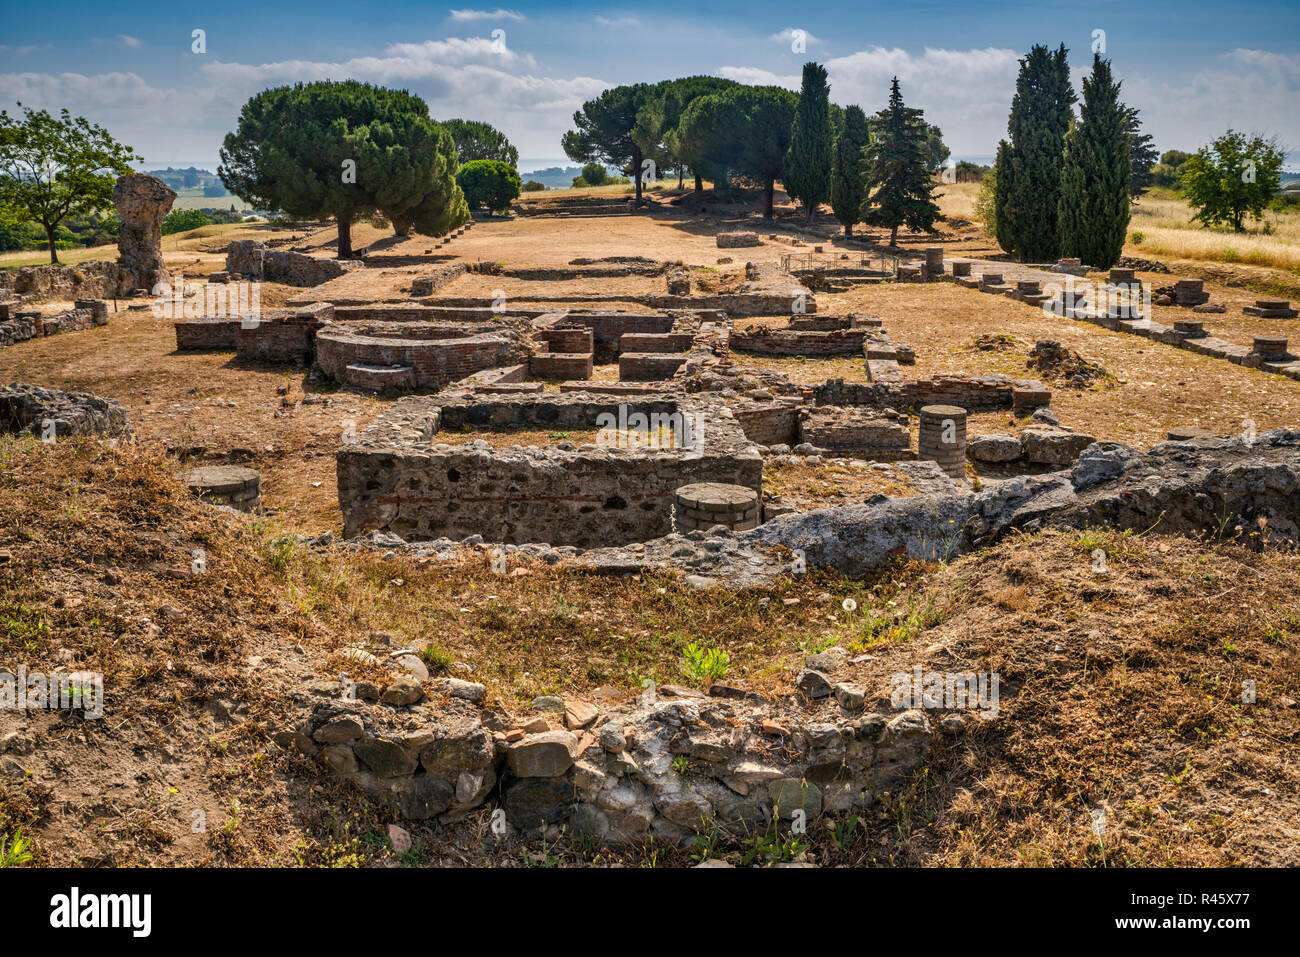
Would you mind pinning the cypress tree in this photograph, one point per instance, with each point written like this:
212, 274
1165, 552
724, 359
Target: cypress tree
1002, 196
1094, 206
900, 173
849, 171
808, 163
1040, 118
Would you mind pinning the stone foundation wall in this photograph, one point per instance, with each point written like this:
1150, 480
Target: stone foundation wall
797, 342
397, 477
879, 435
20, 326
649, 366
252, 258
609, 772
975, 394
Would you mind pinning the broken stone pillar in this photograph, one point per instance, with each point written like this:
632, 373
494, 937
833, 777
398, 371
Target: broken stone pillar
942, 438
142, 203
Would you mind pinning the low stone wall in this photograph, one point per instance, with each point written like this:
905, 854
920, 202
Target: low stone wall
27, 409
19, 326
92, 280
975, 394
398, 478
207, 334
286, 335
252, 258
799, 342
668, 766
608, 328
649, 366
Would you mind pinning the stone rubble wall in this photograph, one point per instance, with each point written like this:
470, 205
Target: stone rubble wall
24, 409
253, 259
92, 280
1187, 487
18, 326
670, 766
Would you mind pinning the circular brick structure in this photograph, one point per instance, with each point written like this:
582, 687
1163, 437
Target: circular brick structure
231, 485
705, 504
942, 438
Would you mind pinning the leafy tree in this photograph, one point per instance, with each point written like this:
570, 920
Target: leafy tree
604, 130
899, 183
1234, 177
1142, 154
849, 169
489, 184
179, 220
1095, 204
1029, 172
708, 137
659, 119
807, 175
55, 167
532, 186
743, 132
594, 174
1168, 172
480, 141
348, 150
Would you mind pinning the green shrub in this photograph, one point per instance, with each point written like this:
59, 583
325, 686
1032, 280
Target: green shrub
594, 175
532, 186
489, 184
179, 220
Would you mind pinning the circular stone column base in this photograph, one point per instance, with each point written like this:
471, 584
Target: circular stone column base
705, 504
232, 485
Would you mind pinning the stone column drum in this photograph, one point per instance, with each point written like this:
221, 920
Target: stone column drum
702, 505
232, 485
942, 438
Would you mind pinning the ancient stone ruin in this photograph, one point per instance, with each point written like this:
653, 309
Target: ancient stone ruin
142, 203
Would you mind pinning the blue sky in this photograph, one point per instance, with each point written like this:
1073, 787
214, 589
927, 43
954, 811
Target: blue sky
1192, 67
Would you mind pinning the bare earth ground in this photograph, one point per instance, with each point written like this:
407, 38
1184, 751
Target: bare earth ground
1122, 694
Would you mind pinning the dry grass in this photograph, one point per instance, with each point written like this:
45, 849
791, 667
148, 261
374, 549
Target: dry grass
1164, 220
1123, 693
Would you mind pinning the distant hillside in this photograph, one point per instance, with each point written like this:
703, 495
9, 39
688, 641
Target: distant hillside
189, 178
553, 176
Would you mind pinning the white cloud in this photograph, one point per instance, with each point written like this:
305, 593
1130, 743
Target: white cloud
618, 21
1254, 91
129, 41
789, 34
497, 14
456, 77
